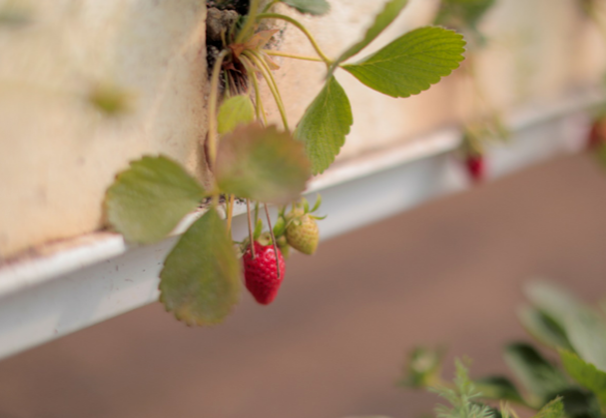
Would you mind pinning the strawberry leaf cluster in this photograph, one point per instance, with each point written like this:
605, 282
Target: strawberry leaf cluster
261, 164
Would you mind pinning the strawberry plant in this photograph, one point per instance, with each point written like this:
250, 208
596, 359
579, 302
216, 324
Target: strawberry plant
485, 125
258, 163
559, 321
596, 139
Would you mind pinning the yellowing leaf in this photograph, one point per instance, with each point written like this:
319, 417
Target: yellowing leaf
411, 63
200, 281
262, 164
148, 200
235, 111
324, 125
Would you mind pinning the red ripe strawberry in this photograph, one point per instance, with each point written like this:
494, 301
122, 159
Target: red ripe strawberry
476, 167
597, 135
261, 274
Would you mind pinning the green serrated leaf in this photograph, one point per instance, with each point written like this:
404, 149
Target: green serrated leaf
411, 63
553, 409
584, 328
543, 328
586, 374
200, 281
390, 11
235, 111
498, 387
587, 333
324, 125
552, 300
312, 7
262, 164
538, 375
148, 200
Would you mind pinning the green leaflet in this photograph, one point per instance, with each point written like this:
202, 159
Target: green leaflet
553, 301
262, 164
538, 375
200, 281
586, 374
148, 200
390, 11
543, 328
324, 125
312, 7
584, 328
587, 333
411, 63
237, 110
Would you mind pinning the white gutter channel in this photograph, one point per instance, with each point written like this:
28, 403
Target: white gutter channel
71, 285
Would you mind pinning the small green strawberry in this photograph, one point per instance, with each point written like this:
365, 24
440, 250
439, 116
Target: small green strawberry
302, 231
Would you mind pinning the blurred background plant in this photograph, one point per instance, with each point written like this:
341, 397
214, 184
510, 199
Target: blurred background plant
561, 323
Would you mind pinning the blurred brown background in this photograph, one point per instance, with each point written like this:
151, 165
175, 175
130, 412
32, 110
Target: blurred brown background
333, 343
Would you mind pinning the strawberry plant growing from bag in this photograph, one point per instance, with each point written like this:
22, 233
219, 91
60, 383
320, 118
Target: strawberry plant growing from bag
260, 163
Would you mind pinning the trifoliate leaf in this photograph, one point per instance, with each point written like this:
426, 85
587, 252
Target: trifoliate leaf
200, 281
586, 374
148, 200
411, 63
312, 7
390, 11
324, 125
235, 111
539, 376
261, 164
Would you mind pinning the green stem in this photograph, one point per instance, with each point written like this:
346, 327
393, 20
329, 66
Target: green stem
303, 29
272, 80
269, 5
294, 56
250, 69
273, 240
250, 21
230, 211
212, 108
251, 237
261, 65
